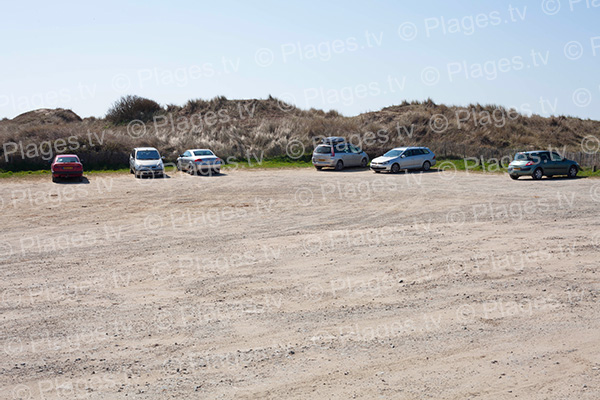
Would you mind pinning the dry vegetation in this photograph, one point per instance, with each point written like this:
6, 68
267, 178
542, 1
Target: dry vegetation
241, 127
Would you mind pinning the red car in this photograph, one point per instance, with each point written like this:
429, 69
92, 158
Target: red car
66, 166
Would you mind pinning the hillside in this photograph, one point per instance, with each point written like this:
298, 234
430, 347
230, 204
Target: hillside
241, 127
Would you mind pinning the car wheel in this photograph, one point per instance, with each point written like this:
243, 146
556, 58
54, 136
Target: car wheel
514, 177
339, 165
319, 168
80, 179
130, 170
426, 166
537, 174
54, 179
363, 163
572, 172
395, 168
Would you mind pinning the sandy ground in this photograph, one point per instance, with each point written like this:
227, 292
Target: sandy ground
298, 284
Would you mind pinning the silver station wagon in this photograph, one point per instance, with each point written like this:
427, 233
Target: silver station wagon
334, 152
404, 158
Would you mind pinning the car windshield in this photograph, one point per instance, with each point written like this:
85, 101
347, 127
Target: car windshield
393, 153
67, 159
323, 149
203, 153
147, 155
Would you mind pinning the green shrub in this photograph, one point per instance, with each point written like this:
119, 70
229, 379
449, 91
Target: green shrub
129, 108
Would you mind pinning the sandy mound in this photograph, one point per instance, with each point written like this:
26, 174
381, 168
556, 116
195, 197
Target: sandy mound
47, 116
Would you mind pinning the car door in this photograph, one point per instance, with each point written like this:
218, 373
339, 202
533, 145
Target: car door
181, 161
355, 154
342, 151
545, 162
132, 159
419, 158
408, 159
187, 161
559, 167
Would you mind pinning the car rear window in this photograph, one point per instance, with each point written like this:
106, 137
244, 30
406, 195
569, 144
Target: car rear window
321, 149
67, 159
522, 157
203, 153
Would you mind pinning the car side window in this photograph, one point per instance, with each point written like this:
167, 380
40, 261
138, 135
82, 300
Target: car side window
341, 148
409, 153
544, 156
132, 153
424, 151
353, 149
555, 157
186, 154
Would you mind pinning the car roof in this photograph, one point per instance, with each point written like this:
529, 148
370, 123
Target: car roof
200, 150
533, 151
145, 148
67, 155
409, 147
333, 139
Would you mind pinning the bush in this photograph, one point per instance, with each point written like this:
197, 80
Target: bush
129, 108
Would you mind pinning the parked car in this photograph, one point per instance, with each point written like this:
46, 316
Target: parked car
197, 161
66, 166
404, 158
336, 153
541, 163
146, 161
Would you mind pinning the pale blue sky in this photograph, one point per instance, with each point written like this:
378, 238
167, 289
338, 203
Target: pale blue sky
352, 56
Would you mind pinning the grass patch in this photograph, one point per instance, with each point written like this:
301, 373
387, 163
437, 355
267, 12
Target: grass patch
272, 162
17, 174
21, 174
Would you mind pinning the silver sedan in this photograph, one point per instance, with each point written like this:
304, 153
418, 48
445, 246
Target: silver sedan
196, 161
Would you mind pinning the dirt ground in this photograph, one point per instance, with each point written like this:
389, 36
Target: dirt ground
298, 284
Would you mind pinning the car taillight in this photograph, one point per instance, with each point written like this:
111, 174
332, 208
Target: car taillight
218, 160
332, 151
530, 163
434, 156
198, 160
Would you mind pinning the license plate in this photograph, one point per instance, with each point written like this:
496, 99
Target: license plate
68, 167
517, 169
320, 159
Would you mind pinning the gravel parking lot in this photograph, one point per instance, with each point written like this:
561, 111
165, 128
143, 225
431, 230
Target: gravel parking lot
297, 284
